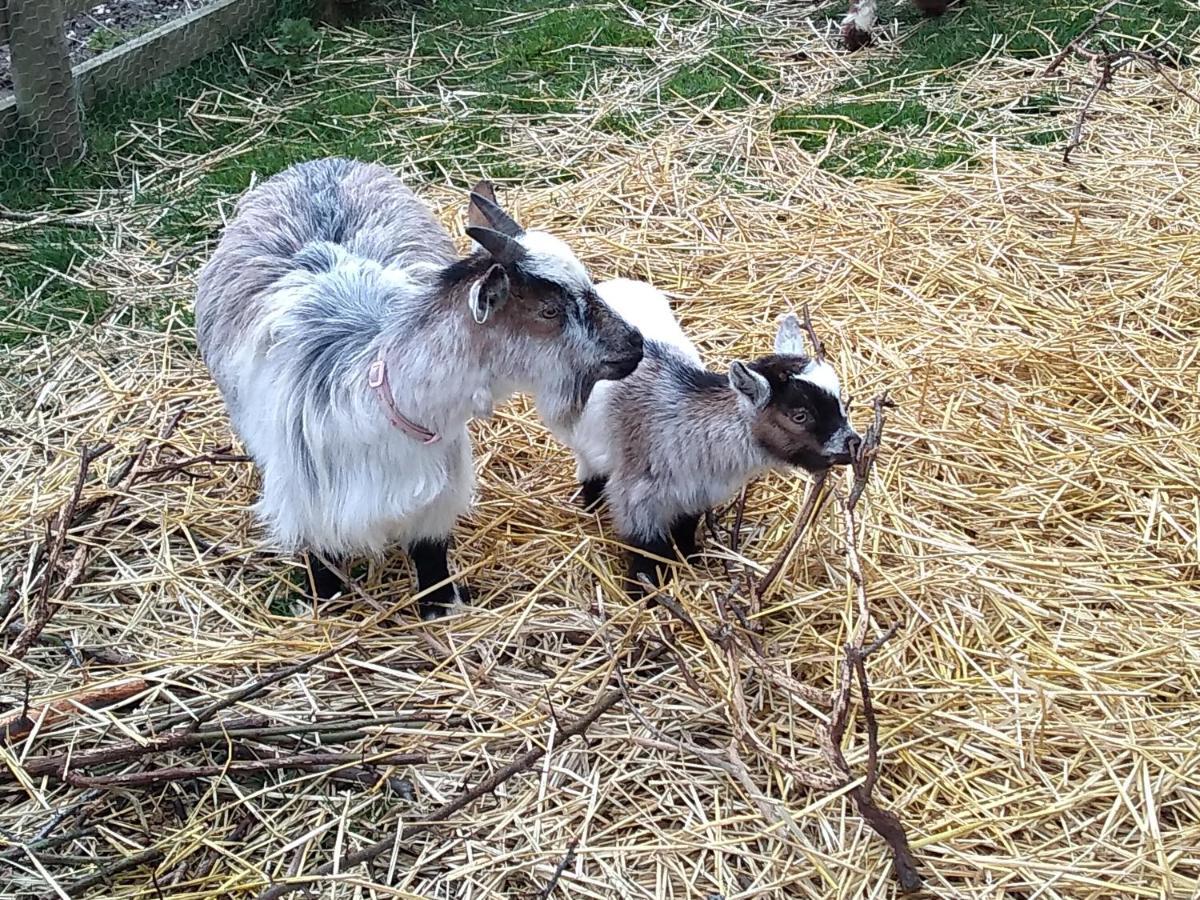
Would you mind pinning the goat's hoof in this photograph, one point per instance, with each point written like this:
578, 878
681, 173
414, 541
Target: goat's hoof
441, 602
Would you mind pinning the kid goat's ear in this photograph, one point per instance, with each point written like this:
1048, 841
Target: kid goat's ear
790, 338
749, 383
488, 294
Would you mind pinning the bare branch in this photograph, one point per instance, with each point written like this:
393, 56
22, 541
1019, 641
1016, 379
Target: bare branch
807, 514
864, 461
818, 346
45, 607
1058, 60
240, 767
16, 725
256, 687
563, 865
1107, 62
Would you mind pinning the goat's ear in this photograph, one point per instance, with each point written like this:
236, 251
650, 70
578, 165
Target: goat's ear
503, 248
484, 212
749, 384
790, 339
488, 294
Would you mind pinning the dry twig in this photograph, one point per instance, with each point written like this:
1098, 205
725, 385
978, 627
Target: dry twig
813, 500
251, 728
1101, 14
1106, 62
563, 864
19, 724
46, 607
255, 688
239, 767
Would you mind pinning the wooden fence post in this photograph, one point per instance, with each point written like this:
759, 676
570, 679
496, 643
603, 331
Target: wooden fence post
43, 85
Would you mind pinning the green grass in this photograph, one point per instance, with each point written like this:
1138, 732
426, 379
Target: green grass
39, 268
619, 122
538, 65
883, 139
886, 133
818, 120
536, 58
107, 38
1026, 29
727, 77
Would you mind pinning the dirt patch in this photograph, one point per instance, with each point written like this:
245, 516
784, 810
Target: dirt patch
107, 25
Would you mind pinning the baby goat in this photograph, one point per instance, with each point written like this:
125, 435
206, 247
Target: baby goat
352, 346
673, 439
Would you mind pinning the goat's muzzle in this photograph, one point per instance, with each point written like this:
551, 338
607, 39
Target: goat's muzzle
845, 455
617, 367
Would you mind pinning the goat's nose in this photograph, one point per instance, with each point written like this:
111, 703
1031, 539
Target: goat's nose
853, 445
635, 343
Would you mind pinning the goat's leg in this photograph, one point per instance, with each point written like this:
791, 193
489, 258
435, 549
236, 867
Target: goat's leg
326, 583
428, 537
683, 533
593, 491
430, 557
642, 563
592, 482
678, 543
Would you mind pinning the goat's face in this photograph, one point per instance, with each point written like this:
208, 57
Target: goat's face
794, 399
560, 337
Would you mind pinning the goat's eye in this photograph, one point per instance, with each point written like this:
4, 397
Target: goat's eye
800, 417
548, 312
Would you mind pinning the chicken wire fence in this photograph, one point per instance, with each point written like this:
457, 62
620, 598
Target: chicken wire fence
58, 57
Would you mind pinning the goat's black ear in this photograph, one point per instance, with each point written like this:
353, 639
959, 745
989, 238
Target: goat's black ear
503, 248
488, 294
749, 384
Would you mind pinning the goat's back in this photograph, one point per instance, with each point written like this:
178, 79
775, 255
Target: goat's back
360, 207
648, 309
595, 435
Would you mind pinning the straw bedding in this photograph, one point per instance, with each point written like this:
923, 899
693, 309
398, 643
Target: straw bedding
1032, 524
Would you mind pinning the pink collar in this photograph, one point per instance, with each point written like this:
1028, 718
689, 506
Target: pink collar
377, 380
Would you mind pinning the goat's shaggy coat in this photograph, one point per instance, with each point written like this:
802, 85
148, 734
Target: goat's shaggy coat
332, 265
674, 439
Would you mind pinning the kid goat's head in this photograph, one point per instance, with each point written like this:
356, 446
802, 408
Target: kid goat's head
795, 399
558, 336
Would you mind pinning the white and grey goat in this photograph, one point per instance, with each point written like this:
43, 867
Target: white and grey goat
673, 439
352, 345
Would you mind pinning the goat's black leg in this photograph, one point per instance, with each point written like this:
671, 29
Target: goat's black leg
326, 583
683, 533
593, 491
429, 558
641, 563
678, 543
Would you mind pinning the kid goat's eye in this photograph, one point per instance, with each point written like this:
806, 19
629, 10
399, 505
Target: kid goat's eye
800, 417
548, 312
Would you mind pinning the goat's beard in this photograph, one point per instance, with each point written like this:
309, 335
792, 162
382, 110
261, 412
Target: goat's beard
561, 404
581, 393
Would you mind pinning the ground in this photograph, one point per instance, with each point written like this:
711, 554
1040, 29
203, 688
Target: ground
1032, 524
